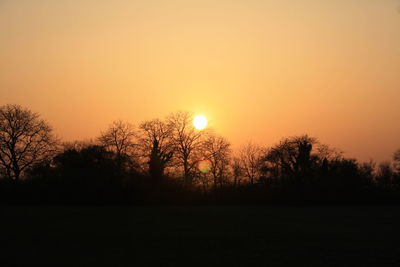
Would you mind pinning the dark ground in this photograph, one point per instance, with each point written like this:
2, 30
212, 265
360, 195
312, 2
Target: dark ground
200, 236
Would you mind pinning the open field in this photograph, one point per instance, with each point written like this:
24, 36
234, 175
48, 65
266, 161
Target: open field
200, 236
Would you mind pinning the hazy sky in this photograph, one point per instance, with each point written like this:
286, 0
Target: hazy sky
260, 70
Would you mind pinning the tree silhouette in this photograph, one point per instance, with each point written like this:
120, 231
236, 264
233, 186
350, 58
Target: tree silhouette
25, 140
396, 159
119, 138
385, 175
367, 171
156, 143
158, 160
237, 171
216, 150
90, 173
291, 158
298, 169
187, 143
250, 160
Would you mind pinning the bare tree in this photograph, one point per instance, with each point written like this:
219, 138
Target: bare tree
156, 144
25, 140
119, 137
324, 151
250, 160
217, 151
237, 171
186, 141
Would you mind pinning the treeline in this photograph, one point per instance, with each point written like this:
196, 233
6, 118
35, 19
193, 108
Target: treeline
167, 161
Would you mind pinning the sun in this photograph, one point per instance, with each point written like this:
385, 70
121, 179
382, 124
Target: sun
200, 122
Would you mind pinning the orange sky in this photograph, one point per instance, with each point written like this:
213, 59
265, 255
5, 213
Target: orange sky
260, 70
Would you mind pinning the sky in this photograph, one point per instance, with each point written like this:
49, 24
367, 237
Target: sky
259, 70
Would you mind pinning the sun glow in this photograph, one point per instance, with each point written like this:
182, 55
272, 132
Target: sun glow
204, 166
200, 122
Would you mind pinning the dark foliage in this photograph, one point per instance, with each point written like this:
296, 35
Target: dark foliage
94, 175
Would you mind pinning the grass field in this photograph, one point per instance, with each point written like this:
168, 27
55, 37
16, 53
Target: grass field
200, 236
